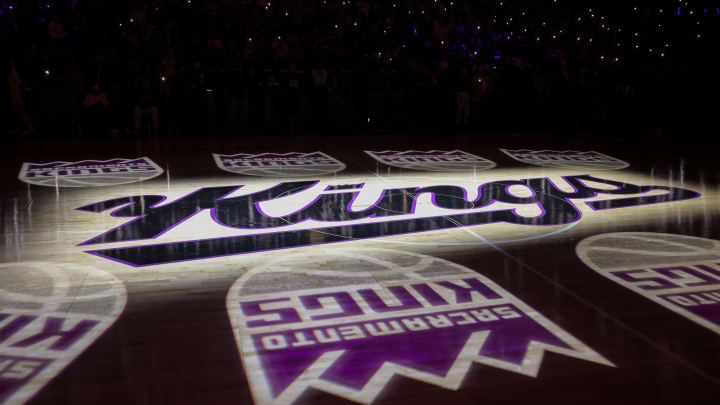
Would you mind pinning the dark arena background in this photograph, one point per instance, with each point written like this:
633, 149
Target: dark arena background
337, 202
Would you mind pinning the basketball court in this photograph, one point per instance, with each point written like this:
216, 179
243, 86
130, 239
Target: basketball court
466, 269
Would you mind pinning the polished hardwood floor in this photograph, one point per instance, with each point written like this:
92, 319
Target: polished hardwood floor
507, 272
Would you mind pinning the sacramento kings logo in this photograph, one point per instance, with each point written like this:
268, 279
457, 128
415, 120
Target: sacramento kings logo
49, 314
433, 160
89, 173
346, 321
681, 273
568, 159
292, 164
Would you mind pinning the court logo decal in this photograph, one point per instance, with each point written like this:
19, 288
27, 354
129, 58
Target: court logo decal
345, 321
49, 314
89, 173
306, 213
681, 273
568, 159
292, 164
433, 160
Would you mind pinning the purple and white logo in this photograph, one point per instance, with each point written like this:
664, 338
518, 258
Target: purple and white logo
292, 164
433, 160
235, 219
681, 273
568, 159
88, 173
345, 321
49, 314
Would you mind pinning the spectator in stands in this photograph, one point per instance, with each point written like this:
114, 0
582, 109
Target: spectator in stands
95, 108
319, 96
462, 115
557, 53
478, 95
55, 28
13, 82
293, 82
445, 95
146, 109
120, 109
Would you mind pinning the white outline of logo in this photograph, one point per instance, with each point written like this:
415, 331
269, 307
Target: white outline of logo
76, 179
610, 164
479, 164
280, 171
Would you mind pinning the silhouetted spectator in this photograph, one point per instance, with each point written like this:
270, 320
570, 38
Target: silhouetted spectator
95, 108
120, 109
462, 114
13, 82
319, 96
146, 109
55, 28
293, 83
478, 97
446, 96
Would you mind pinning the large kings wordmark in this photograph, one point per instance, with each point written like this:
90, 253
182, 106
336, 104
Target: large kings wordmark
327, 322
332, 217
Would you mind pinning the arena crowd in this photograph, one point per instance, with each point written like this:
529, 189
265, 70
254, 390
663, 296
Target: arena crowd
237, 67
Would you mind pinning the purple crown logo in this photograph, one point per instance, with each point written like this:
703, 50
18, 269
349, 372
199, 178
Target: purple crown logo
352, 338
